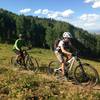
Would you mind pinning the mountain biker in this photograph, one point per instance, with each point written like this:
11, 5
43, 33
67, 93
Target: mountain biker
17, 48
61, 50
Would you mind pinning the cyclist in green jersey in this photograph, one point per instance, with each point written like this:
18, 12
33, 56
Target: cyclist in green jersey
17, 48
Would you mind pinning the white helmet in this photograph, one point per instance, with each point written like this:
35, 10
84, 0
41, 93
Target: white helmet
67, 34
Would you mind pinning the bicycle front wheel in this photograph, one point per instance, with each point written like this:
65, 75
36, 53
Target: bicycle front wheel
85, 75
32, 64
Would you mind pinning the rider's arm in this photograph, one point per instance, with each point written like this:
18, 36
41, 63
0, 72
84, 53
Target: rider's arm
64, 51
70, 44
16, 45
62, 48
26, 45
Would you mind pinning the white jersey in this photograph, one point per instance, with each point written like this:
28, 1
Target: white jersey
62, 44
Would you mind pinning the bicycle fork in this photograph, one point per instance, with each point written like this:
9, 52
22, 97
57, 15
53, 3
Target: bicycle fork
81, 67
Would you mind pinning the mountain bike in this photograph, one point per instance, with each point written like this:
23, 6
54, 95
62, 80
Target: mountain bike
28, 62
81, 73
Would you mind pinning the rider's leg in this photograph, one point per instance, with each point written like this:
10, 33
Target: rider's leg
62, 68
60, 57
18, 55
23, 57
17, 58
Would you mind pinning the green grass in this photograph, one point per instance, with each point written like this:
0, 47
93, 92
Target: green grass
18, 84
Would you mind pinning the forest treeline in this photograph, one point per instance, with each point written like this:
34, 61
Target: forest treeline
42, 32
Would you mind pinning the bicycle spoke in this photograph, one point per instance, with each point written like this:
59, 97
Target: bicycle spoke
32, 64
87, 76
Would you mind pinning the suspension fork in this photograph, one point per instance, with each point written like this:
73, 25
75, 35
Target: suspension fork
80, 64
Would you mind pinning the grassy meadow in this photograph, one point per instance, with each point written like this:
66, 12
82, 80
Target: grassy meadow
16, 84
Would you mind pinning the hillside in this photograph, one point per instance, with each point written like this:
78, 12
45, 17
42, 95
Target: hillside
20, 84
42, 32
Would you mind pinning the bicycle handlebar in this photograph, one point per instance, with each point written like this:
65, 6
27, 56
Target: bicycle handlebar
75, 53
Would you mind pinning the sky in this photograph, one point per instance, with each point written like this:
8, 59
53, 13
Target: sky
80, 13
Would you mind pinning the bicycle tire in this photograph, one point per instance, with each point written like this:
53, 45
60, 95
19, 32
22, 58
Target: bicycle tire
53, 65
32, 64
87, 78
14, 62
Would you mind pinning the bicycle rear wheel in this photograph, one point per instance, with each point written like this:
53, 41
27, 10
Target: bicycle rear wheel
32, 64
85, 75
15, 63
53, 65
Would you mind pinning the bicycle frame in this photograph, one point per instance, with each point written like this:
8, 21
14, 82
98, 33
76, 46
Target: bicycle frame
26, 55
71, 62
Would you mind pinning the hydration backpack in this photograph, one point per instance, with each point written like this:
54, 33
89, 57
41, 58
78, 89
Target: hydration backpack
56, 42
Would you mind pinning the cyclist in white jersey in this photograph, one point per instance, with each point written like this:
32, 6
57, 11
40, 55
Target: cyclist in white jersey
61, 50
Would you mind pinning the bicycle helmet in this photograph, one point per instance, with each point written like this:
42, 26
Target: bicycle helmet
67, 34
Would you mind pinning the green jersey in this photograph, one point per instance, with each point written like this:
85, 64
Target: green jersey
19, 43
